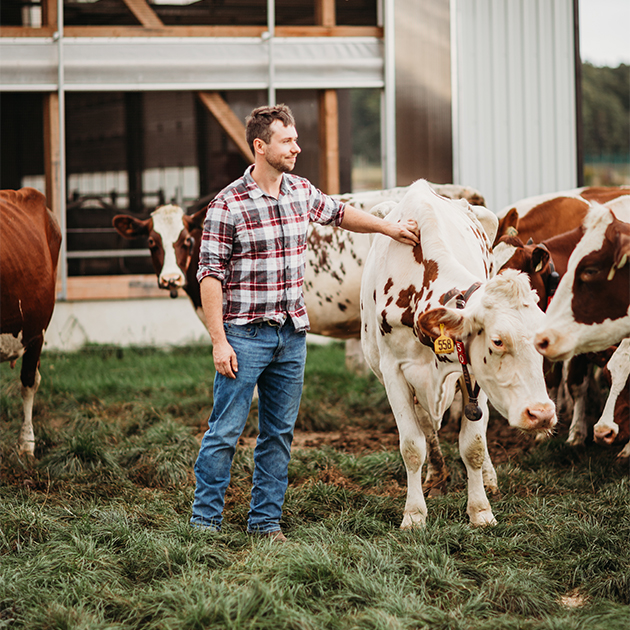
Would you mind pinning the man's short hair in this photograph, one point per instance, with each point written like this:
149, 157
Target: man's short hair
258, 124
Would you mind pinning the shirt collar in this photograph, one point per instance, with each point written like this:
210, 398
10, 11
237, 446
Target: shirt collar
255, 192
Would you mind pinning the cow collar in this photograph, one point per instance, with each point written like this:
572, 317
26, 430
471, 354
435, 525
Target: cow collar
472, 410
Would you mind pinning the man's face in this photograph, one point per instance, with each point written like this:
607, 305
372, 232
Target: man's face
283, 149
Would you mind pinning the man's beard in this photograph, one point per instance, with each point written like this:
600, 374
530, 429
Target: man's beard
280, 165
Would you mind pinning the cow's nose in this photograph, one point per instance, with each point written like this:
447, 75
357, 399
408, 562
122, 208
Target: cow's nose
607, 436
543, 341
540, 417
172, 280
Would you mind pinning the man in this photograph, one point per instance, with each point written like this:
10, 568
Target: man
251, 271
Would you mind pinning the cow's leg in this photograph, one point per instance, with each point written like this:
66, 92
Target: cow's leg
577, 379
473, 448
412, 443
30, 378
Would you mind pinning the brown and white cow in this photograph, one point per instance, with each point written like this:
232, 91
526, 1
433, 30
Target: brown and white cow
614, 424
408, 300
544, 216
31, 239
334, 257
591, 308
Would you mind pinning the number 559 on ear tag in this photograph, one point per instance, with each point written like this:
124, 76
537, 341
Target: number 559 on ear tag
443, 344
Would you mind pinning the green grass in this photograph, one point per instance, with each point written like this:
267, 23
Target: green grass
94, 534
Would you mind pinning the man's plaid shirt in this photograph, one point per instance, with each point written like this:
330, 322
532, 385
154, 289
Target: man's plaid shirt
255, 245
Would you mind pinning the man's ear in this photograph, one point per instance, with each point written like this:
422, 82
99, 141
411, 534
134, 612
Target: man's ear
430, 322
259, 146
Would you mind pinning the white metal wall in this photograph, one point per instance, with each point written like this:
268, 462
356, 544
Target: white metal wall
514, 120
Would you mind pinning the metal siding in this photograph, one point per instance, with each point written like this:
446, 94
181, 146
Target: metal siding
515, 93
220, 63
423, 91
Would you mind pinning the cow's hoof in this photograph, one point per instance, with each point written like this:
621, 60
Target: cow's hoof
483, 518
413, 519
576, 440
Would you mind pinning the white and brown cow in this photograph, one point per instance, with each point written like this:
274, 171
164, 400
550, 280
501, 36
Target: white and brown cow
31, 239
408, 298
544, 216
334, 257
591, 308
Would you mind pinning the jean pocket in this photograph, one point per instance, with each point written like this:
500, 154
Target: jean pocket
248, 331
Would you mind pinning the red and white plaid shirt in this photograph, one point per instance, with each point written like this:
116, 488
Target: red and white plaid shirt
255, 245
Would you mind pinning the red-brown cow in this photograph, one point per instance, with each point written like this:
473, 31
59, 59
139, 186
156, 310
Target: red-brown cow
545, 216
31, 239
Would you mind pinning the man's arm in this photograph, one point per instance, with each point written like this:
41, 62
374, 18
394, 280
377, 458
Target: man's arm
212, 302
364, 222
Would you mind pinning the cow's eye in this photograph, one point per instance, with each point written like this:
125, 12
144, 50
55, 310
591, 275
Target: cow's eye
151, 243
190, 242
589, 274
498, 344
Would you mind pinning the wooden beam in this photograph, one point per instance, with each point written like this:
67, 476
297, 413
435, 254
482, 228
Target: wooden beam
325, 14
230, 122
329, 142
115, 287
144, 13
52, 153
194, 31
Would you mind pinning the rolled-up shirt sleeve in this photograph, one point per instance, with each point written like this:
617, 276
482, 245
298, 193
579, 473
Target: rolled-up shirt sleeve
216, 243
324, 209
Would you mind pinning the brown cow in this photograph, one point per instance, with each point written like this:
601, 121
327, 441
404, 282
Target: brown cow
545, 216
31, 239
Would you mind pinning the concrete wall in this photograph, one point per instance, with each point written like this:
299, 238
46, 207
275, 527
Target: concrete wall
146, 322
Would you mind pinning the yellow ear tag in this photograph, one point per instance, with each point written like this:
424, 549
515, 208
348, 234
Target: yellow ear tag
443, 344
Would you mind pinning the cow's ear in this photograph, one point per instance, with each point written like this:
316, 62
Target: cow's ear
540, 257
507, 225
195, 221
622, 246
430, 323
130, 227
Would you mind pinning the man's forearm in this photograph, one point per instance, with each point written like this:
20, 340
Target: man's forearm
363, 222
212, 304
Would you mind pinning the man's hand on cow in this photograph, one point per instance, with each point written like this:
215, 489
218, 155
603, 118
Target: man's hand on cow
406, 232
225, 361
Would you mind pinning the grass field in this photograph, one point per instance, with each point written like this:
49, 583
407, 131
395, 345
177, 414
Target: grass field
95, 534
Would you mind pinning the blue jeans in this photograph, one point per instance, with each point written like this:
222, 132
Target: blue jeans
272, 357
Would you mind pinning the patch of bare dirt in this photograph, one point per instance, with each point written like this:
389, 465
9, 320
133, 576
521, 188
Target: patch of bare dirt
504, 442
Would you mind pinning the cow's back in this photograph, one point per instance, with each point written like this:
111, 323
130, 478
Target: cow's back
29, 252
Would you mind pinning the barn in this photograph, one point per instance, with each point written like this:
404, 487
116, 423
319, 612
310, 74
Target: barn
113, 106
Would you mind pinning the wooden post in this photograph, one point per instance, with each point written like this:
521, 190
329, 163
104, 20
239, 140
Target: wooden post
329, 142
325, 13
49, 13
52, 154
328, 115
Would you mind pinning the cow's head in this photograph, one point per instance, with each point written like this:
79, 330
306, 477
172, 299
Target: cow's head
591, 310
496, 327
173, 239
533, 260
